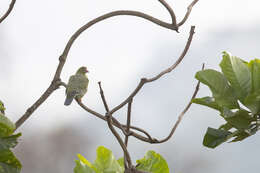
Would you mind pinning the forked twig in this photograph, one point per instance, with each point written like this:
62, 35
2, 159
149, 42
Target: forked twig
168, 7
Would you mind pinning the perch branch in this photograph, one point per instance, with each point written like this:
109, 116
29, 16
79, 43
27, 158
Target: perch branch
11, 6
145, 80
187, 13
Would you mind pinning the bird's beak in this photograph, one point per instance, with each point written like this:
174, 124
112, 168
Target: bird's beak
87, 71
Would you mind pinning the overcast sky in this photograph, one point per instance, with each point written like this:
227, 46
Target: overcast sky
118, 52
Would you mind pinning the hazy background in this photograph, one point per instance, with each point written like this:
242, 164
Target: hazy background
118, 52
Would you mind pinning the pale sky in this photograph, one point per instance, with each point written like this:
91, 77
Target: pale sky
119, 52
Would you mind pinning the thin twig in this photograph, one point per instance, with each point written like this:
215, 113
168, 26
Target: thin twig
128, 122
168, 7
119, 125
140, 130
182, 113
11, 6
103, 97
113, 130
145, 80
120, 141
129, 107
187, 13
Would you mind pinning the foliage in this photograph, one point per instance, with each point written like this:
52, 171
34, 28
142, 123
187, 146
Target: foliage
8, 162
236, 95
152, 162
106, 163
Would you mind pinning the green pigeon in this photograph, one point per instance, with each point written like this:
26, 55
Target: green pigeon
77, 85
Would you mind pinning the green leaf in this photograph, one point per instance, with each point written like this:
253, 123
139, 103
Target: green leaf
252, 101
84, 160
82, 167
215, 137
207, 101
225, 127
153, 162
9, 163
121, 162
240, 119
7, 127
106, 162
238, 74
254, 67
240, 135
2, 108
9, 141
218, 84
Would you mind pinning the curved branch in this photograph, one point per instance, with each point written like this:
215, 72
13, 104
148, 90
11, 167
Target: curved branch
187, 13
144, 80
11, 6
140, 130
181, 115
168, 7
64, 55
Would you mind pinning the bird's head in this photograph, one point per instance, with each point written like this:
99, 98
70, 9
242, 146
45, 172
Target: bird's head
82, 70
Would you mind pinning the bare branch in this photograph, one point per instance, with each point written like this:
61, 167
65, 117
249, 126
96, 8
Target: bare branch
129, 107
103, 97
145, 80
140, 130
187, 13
182, 113
113, 130
128, 121
168, 7
64, 55
168, 70
11, 6
126, 153
54, 85
119, 125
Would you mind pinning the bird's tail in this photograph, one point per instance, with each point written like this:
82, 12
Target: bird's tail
70, 98
68, 101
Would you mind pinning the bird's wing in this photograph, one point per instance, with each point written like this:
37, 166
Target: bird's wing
77, 85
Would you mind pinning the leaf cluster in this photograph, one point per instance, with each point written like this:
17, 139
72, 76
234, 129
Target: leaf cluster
8, 162
106, 163
236, 95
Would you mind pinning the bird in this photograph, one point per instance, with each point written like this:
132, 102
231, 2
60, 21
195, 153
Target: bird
77, 86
